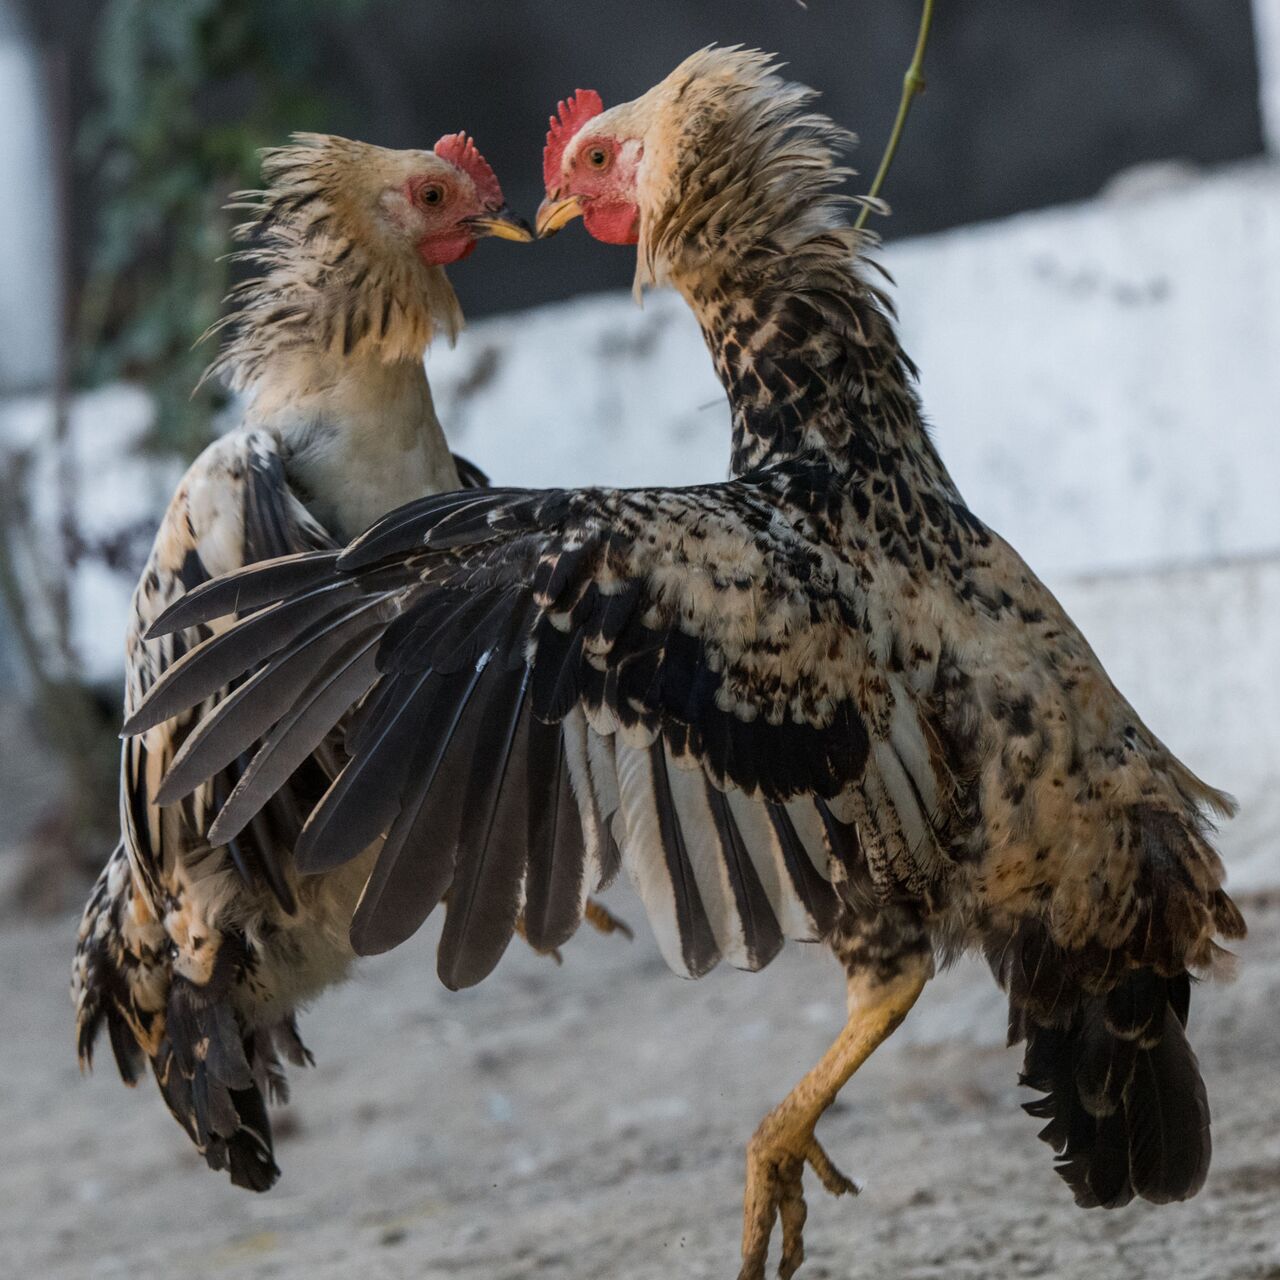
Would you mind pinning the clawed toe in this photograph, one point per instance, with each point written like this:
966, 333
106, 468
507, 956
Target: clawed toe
769, 1184
836, 1183
793, 1211
602, 920
775, 1189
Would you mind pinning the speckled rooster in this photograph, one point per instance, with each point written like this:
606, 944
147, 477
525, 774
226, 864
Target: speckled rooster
821, 700
194, 952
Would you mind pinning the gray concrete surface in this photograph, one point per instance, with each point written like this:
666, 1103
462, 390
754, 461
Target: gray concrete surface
588, 1121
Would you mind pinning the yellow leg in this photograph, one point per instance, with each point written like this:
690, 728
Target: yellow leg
602, 920
598, 916
784, 1143
553, 952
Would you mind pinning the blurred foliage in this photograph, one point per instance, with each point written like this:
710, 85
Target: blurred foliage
64, 714
185, 92
188, 91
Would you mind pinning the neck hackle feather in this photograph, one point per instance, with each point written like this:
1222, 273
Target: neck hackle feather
739, 168
333, 282
742, 209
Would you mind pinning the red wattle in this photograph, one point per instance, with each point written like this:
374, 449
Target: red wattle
440, 251
612, 223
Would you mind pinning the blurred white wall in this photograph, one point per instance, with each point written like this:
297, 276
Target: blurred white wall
1102, 378
28, 276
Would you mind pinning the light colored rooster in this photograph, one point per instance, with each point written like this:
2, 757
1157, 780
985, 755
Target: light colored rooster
196, 954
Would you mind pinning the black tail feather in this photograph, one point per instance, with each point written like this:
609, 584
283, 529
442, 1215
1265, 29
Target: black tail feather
130, 1060
1124, 1103
214, 1076
1168, 1110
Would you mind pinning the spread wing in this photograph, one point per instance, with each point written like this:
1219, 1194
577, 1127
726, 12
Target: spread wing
233, 507
553, 684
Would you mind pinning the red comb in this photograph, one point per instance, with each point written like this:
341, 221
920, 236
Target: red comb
584, 104
460, 151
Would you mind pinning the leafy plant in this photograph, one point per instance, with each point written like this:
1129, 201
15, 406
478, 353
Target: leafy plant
189, 90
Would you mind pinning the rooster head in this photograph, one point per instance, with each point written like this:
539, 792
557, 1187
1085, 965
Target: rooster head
443, 200
591, 170
721, 155
434, 204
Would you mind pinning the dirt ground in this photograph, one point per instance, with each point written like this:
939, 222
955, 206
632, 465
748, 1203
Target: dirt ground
588, 1121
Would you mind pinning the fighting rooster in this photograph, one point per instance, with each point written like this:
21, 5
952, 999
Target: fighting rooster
820, 700
196, 953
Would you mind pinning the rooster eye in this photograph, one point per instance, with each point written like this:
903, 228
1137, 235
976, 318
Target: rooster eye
597, 157
431, 195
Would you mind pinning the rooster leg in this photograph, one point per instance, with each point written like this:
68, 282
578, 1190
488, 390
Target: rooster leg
602, 920
521, 932
598, 916
882, 986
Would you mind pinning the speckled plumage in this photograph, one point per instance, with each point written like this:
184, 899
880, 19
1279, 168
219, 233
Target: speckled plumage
334, 281
819, 700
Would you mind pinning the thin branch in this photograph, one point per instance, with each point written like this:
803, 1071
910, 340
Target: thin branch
912, 84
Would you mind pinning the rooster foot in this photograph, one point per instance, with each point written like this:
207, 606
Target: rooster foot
775, 1189
602, 920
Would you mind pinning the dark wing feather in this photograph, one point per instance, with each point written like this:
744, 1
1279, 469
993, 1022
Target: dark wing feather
255, 705
234, 508
408, 528
761, 932
469, 475
250, 589
819, 899
296, 736
415, 866
484, 896
557, 884
365, 797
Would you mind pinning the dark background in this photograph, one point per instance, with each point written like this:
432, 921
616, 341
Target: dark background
156, 108
1036, 101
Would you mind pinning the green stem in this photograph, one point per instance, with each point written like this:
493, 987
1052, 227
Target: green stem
912, 84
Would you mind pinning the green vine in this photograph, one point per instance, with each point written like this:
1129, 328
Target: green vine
912, 84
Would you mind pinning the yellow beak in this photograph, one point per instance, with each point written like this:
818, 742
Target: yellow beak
504, 224
554, 214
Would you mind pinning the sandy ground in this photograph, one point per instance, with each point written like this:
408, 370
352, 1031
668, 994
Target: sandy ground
588, 1121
